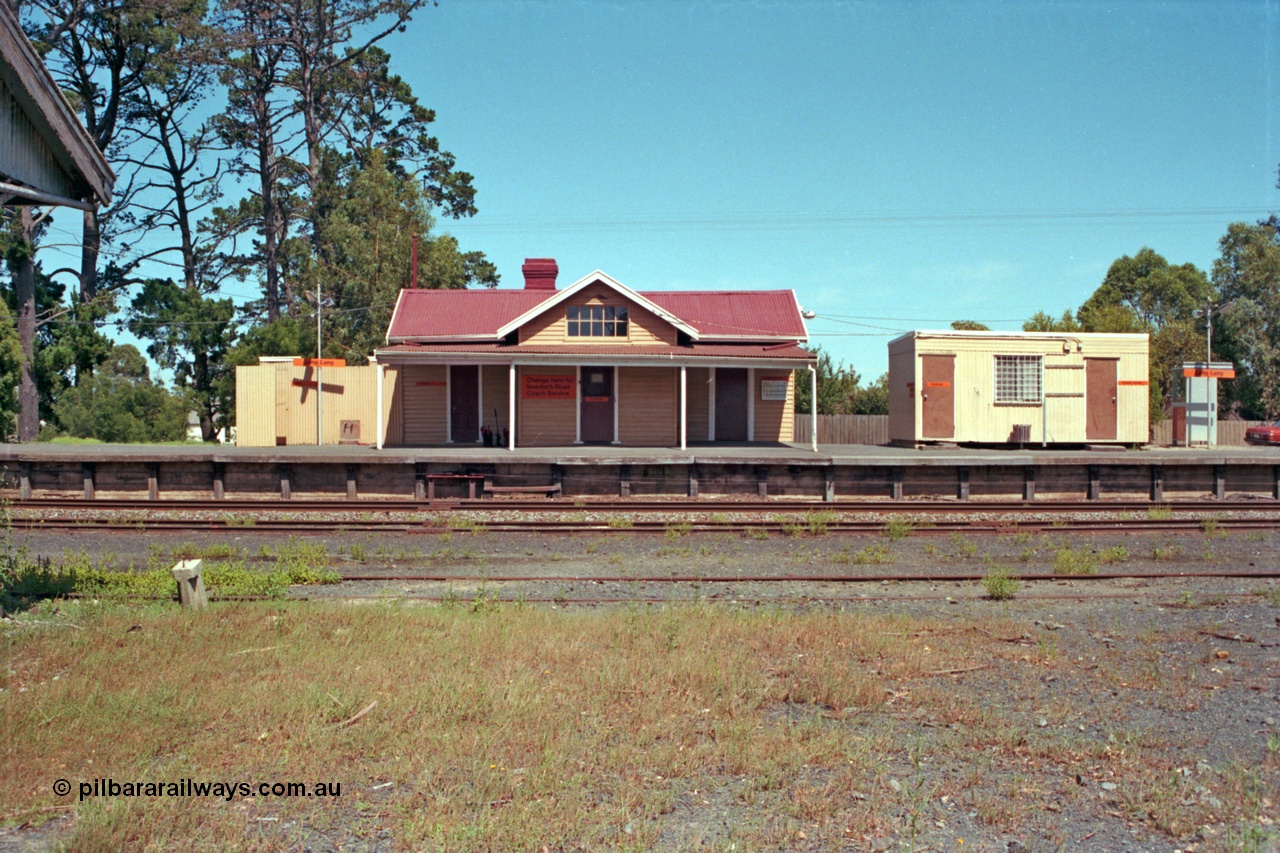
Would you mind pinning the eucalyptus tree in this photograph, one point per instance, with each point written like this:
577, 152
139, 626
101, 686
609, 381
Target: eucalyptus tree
1247, 275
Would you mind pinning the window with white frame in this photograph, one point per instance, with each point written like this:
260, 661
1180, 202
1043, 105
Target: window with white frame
597, 321
1019, 378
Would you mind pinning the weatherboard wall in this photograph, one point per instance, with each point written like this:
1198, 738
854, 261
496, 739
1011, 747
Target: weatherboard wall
643, 326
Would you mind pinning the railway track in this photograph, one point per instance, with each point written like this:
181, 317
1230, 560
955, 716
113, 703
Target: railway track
644, 517
616, 506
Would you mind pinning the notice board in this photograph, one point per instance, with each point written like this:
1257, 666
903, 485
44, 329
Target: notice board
541, 386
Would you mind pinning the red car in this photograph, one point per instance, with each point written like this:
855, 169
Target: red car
1263, 435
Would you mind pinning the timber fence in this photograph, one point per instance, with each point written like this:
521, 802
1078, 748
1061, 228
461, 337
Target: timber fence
874, 429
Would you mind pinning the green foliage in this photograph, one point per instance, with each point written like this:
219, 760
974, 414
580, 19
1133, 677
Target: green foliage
898, 528
10, 371
191, 334
1000, 583
1247, 275
1042, 321
120, 403
1070, 562
969, 326
840, 391
1153, 293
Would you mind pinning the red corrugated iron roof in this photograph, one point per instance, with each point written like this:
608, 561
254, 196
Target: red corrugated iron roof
426, 313
788, 350
735, 314
746, 315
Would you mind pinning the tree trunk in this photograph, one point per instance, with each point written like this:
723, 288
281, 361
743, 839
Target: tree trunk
24, 282
89, 256
266, 168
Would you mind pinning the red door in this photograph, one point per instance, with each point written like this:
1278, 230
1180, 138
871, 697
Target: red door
731, 404
597, 404
464, 403
937, 396
1100, 410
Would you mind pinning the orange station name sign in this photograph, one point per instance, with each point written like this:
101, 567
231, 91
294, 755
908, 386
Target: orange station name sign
1210, 372
319, 362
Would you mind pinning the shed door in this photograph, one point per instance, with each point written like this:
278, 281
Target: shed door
464, 402
937, 396
731, 404
1100, 399
597, 404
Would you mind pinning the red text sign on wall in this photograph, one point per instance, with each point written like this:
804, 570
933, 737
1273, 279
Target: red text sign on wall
548, 387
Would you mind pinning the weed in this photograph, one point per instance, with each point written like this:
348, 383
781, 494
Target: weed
1212, 527
475, 526
898, 528
718, 518
1164, 553
1026, 554
1160, 512
964, 548
358, 552
621, 522
676, 530
1115, 554
232, 520
818, 520
873, 555
1271, 594
930, 549
758, 533
1000, 583
1068, 561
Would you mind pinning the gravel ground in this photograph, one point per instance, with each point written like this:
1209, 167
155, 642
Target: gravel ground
1119, 687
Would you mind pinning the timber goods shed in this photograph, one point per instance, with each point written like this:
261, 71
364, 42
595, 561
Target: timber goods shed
593, 363
1018, 388
46, 156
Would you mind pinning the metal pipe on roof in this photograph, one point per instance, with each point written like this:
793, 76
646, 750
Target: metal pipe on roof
35, 196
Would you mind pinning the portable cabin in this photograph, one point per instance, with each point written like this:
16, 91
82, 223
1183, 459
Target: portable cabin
1018, 388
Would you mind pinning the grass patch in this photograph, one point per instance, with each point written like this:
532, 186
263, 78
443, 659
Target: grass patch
1115, 554
1068, 561
1000, 583
898, 528
621, 522
578, 732
1160, 512
674, 531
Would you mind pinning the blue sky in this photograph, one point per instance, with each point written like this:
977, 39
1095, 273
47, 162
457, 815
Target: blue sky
899, 165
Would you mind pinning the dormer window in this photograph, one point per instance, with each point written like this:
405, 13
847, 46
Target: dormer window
597, 321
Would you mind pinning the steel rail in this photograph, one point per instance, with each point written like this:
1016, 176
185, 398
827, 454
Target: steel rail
797, 527
686, 505
836, 579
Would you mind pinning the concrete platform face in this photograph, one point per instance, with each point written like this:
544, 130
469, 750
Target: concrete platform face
737, 454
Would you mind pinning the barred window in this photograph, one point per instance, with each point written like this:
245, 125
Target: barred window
1018, 378
597, 321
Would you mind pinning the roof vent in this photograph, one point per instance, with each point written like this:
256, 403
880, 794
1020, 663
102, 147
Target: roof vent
540, 273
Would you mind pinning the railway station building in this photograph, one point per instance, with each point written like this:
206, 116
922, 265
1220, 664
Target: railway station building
591, 363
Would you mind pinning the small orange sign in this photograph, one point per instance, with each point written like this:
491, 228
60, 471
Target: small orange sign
319, 362
1210, 372
937, 384
1133, 382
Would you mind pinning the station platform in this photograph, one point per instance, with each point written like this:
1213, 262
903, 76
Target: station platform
834, 471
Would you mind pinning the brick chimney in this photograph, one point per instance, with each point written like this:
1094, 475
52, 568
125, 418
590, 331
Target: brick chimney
540, 273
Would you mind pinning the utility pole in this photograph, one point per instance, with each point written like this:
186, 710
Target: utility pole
319, 355
24, 283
